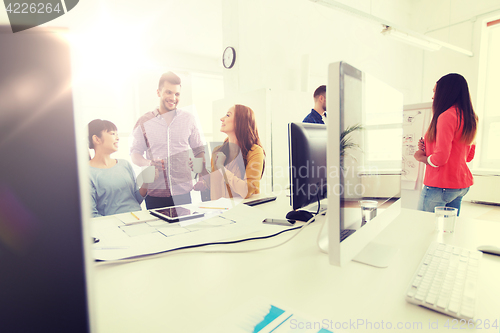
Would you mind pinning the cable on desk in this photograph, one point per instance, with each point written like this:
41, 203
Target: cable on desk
311, 220
319, 237
218, 243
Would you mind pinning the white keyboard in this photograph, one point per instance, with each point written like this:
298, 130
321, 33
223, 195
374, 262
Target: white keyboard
446, 281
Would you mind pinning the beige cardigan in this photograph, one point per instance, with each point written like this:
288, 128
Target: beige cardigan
241, 185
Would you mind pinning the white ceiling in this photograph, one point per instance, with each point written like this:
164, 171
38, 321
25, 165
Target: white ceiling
195, 26
429, 15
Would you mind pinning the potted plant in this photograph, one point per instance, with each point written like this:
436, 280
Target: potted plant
346, 142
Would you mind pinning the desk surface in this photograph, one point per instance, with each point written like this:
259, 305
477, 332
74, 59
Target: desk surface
186, 291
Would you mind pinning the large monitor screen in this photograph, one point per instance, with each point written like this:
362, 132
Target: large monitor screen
364, 157
43, 264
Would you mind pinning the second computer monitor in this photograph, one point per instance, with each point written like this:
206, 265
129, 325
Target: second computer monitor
308, 170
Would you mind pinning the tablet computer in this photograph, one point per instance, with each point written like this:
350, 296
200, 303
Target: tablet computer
175, 214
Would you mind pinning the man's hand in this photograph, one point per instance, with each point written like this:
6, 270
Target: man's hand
158, 164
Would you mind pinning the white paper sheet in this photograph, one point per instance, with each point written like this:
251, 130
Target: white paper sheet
120, 241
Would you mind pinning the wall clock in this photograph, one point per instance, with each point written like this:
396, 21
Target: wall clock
229, 57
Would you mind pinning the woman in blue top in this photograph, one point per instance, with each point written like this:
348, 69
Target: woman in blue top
112, 181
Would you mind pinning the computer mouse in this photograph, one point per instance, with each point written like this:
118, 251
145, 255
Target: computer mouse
489, 249
299, 215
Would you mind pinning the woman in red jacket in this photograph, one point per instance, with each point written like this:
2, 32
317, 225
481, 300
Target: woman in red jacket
448, 145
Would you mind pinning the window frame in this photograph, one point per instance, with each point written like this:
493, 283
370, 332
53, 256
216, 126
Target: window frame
481, 163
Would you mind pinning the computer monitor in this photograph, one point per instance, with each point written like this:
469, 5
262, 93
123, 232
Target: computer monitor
43, 260
307, 157
364, 161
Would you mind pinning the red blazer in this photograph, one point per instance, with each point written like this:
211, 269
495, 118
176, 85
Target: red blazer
447, 156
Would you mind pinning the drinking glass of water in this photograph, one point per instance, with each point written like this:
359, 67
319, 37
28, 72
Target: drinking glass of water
445, 218
368, 210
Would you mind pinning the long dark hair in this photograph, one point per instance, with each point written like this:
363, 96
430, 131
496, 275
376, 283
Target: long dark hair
452, 90
246, 132
96, 127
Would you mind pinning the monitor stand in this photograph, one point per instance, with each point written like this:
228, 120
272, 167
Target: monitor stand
376, 254
373, 254
322, 209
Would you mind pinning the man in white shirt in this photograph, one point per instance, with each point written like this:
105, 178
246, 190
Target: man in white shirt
163, 138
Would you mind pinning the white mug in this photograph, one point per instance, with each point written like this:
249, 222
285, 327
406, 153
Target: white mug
197, 164
148, 174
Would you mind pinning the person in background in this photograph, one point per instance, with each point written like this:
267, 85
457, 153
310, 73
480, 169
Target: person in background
448, 145
112, 181
166, 135
318, 114
238, 164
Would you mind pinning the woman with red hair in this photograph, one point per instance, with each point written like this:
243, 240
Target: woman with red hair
238, 164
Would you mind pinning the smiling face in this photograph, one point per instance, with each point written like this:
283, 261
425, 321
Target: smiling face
169, 96
107, 142
227, 125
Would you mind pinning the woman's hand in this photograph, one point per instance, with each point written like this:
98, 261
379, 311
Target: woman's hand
220, 158
201, 185
420, 156
421, 144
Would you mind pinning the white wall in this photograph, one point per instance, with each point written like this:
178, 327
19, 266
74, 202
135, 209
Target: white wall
285, 46
461, 25
278, 40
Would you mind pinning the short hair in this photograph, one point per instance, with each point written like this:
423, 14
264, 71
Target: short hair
170, 77
321, 90
96, 127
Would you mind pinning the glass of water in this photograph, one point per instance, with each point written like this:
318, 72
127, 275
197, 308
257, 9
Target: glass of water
368, 210
445, 218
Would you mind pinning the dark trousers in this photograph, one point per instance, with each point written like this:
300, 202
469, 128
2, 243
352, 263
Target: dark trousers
159, 202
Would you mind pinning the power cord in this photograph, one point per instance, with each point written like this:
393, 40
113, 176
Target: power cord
311, 220
218, 243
